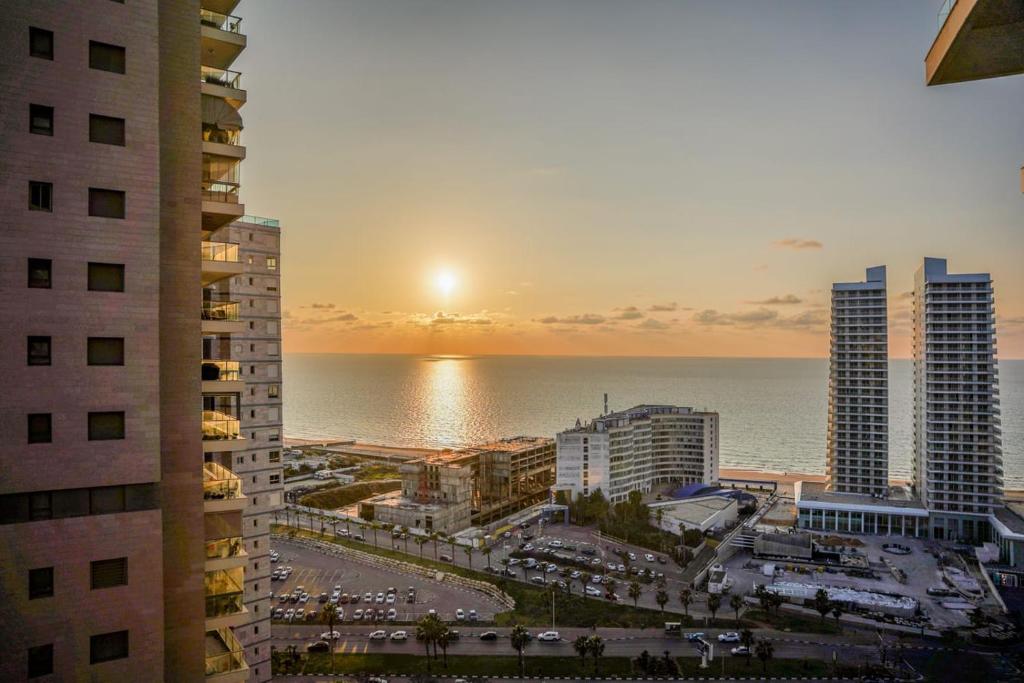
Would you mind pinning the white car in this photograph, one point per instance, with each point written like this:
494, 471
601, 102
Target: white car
300, 613
730, 637
555, 543
612, 566
368, 597
596, 562
379, 635
528, 547
357, 615
595, 592
649, 557
549, 636
621, 568
459, 614
392, 614
380, 598
390, 599
330, 635
575, 574
552, 567
741, 650
399, 635
289, 615
596, 578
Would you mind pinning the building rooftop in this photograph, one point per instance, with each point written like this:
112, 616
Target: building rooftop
394, 499
694, 511
812, 494
621, 418
1011, 517
512, 444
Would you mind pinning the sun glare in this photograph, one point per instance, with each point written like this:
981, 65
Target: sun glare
445, 281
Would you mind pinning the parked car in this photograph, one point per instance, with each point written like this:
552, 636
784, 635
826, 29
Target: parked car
289, 615
330, 635
649, 557
279, 613
319, 646
549, 636
300, 613
694, 637
596, 578
323, 598
595, 592
446, 558
662, 560
392, 614
459, 614
390, 599
575, 574
378, 635
741, 650
399, 636
489, 635
472, 615
368, 597
539, 580
632, 557
730, 637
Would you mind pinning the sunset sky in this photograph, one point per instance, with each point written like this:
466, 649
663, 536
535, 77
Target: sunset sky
657, 177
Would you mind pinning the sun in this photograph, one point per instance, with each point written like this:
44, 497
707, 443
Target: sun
445, 281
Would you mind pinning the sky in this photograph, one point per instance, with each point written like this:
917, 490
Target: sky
617, 178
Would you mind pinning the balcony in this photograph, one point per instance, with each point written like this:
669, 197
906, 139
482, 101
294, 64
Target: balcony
220, 204
225, 662
222, 489
222, 38
977, 39
225, 607
222, 317
223, 84
225, 553
220, 260
222, 377
222, 432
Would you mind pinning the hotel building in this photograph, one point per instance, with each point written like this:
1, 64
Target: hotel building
133, 492
858, 388
634, 449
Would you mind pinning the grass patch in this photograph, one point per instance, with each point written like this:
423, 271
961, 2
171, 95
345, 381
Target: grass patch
689, 667
340, 496
376, 472
464, 665
785, 621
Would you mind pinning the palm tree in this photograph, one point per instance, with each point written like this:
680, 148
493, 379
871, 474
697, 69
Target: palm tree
433, 537
469, 555
661, 597
747, 639
444, 638
519, 638
420, 541
686, 599
405, 533
582, 647
334, 525
610, 585
634, 592
736, 602
595, 644
526, 572
487, 553
425, 633
374, 526
764, 651
328, 616
714, 602
451, 539
585, 579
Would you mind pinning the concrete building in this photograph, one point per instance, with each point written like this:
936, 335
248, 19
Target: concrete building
634, 449
702, 514
898, 514
129, 559
858, 388
958, 466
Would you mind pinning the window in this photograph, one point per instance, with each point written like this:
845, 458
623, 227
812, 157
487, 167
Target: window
106, 203
40, 43
40, 660
273, 390
38, 350
275, 478
108, 646
40, 196
40, 583
271, 263
40, 271
107, 130
109, 573
106, 351
40, 506
39, 428
274, 456
40, 119
106, 277
106, 57
106, 500
106, 425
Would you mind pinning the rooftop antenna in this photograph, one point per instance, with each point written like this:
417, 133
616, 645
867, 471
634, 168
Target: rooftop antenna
605, 403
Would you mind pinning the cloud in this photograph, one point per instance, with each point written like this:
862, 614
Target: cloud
652, 324
442, 318
373, 326
585, 319
762, 317
327, 306
779, 300
512, 292
797, 243
656, 308
629, 313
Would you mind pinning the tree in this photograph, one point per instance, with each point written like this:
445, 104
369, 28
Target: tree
585, 579
764, 651
747, 639
519, 638
610, 584
487, 553
634, 592
736, 602
661, 597
714, 602
582, 647
433, 537
469, 555
329, 615
420, 541
821, 603
427, 631
451, 539
837, 611
444, 638
405, 535
686, 599
374, 526
595, 644
763, 596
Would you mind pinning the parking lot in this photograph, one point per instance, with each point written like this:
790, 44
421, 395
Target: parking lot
319, 576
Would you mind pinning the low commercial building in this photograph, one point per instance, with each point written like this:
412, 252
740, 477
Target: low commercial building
784, 546
819, 509
702, 514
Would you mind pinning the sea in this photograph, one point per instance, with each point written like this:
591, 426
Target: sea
772, 411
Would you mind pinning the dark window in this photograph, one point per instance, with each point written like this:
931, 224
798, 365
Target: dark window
106, 203
106, 425
40, 196
40, 583
108, 130
106, 351
106, 277
106, 500
38, 350
40, 660
40, 506
40, 273
106, 57
40, 42
70, 503
109, 573
40, 119
39, 428
108, 646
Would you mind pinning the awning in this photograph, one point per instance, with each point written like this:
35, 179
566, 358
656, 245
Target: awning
218, 112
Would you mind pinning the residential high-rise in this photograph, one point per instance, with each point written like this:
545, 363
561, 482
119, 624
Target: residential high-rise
130, 539
958, 467
858, 388
634, 449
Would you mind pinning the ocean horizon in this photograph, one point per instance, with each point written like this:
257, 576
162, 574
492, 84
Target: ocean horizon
773, 411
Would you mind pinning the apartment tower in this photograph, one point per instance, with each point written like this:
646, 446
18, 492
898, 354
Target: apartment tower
127, 530
858, 388
958, 470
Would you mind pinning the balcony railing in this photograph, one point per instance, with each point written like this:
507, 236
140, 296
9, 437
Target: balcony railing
221, 77
222, 310
218, 426
223, 22
216, 191
224, 592
221, 370
221, 136
259, 220
224, 653
220, 251
223, 548
219, 483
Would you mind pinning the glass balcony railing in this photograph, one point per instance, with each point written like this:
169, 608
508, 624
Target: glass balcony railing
221, 310
221, 77
219, 483
223, 548
217, 191
223, 22
221, 136
221, 370
224, 592
218, 426
260, 220
224, 653
220, 251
